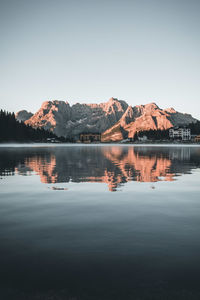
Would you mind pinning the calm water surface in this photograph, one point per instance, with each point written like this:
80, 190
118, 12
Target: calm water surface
99, 222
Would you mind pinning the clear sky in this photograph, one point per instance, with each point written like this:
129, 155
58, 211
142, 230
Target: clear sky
87, 51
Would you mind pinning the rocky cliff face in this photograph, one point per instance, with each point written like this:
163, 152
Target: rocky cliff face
23, 115
145, 117
66, 120
114, 119
53, 115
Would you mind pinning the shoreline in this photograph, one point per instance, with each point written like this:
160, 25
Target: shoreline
135, 144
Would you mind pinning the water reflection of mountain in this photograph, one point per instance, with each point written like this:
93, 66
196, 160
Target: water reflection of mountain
113, 165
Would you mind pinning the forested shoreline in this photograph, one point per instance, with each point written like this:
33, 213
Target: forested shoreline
13, 131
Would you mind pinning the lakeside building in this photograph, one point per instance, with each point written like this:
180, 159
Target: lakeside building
90, 137
197, 139
142, 138
180, 133
52, 140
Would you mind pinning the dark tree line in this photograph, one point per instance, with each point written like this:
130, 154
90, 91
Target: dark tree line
195, 127
164, 134
153, 134
13, 131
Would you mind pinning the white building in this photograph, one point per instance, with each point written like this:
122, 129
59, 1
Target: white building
142, 138
180, 133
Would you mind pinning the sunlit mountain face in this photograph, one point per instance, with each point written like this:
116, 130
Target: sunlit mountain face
114, 119
113, 165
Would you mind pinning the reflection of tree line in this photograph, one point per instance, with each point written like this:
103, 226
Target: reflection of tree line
112, 165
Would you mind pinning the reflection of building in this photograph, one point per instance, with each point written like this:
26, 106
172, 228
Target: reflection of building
179, 133
113, 165
182, 153
90, 137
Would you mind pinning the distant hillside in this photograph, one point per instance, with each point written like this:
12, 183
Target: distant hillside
23, 115
14, 131
115, 119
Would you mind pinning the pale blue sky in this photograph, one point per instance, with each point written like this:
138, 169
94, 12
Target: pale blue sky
88, 51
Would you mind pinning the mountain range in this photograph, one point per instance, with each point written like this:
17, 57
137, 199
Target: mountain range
114, 119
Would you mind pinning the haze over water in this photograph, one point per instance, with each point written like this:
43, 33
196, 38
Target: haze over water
99, 222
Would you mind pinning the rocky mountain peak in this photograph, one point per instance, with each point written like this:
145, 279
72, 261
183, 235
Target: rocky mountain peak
23, 115
114, 105
115, 119
151, 106
112, 99
170, 110
46, 104
54, 104
66, 120
145, 117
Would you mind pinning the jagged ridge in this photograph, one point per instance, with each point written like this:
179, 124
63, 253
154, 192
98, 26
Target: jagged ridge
145, 117
114, 119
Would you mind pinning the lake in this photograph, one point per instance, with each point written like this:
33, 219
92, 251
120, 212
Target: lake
87, 222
